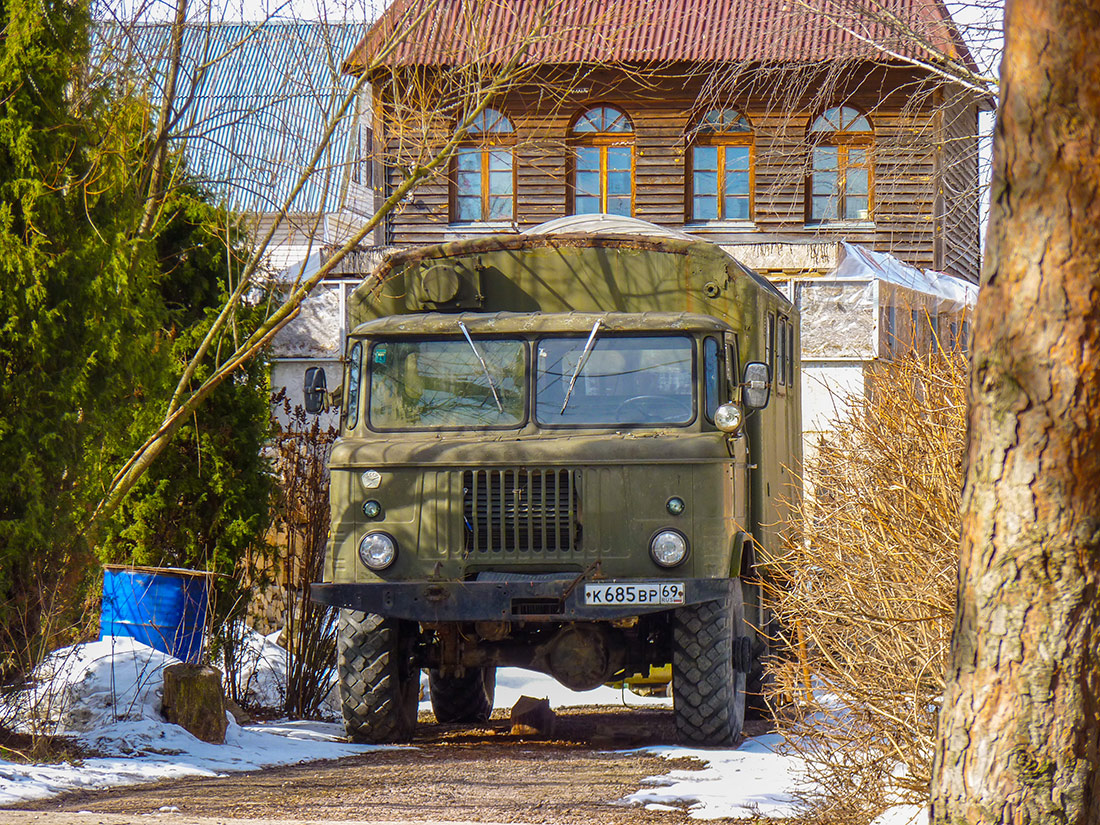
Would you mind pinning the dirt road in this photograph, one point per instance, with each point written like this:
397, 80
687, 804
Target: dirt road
451, 774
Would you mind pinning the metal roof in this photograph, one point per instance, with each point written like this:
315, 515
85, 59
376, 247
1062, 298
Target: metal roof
447, 32
252, 104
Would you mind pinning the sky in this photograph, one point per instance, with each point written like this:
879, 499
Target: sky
334, 11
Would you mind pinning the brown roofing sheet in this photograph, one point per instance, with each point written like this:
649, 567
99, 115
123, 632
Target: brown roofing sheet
446, 32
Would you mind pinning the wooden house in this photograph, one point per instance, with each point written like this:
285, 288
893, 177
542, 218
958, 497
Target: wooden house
759, 124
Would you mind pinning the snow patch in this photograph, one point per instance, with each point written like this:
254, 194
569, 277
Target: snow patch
107, 695
755, 779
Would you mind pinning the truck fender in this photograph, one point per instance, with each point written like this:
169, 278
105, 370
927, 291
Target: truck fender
737, 550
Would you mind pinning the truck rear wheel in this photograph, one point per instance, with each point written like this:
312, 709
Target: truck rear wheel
710, 654
379, 684
463, 699
758, 679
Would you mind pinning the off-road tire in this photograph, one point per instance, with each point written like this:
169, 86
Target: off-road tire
466, 699
766, 647
379, 682
710, 657
757, 680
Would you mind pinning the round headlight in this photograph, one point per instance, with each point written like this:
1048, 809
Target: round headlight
668, 548
377, 550
728, 418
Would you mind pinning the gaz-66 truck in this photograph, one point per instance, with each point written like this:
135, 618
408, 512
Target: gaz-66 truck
564, 453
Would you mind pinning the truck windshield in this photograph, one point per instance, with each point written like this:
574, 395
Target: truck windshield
640, 380
437, 384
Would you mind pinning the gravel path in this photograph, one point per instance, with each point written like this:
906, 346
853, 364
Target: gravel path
450, 774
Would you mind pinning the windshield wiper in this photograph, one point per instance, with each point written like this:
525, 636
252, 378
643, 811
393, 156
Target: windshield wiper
484, 366
580, 364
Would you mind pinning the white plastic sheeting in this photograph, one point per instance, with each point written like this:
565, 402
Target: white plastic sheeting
952, 294
842, 311
316, 331
838, 319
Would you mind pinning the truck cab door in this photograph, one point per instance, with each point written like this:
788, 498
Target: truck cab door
738, 444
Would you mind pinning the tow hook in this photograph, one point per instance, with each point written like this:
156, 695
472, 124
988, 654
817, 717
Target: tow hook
436, 593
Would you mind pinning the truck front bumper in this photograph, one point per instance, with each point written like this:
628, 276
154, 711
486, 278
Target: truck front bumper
496, 601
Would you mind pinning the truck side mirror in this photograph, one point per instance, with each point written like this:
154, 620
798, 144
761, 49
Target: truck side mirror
316, 390
756, 386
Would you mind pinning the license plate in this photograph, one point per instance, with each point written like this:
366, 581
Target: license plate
640, 593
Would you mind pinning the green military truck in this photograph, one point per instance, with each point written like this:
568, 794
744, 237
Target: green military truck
563, 453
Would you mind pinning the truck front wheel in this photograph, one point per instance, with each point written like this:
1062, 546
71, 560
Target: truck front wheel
379, 682
463, 699
710, 654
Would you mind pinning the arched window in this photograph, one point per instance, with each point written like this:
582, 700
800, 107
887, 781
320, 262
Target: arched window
720, 184
841, 184
602, 177
483, 179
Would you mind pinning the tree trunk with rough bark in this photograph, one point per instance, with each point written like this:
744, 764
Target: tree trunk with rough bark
1019, 738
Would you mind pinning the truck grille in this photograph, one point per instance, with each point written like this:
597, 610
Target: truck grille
521, 510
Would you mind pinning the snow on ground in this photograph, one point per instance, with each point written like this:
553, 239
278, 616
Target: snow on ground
514, 682
756, 778
904, 815
107, 695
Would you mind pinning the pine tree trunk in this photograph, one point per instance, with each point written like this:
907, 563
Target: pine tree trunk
1020, 725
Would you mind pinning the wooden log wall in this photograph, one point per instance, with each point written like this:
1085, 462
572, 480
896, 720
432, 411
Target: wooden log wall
925, 172
963, 188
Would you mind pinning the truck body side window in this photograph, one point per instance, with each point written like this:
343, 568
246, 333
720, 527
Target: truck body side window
769, 348
733, 367
781, 359
355, 369
790, 354
710, 376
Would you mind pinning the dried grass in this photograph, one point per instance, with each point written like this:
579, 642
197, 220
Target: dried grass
869, 592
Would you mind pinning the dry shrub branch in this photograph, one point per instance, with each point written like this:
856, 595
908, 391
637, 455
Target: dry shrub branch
869, 592
302, 514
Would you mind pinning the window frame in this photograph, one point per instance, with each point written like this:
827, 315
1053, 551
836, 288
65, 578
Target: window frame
733, 366
721, 140
368, 386
486, 142
843, 140
781, 355
693, 360
601, 141
708, 413
791, 354
769, 346
353, 381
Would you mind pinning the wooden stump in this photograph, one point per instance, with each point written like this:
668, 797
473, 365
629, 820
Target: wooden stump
193, 699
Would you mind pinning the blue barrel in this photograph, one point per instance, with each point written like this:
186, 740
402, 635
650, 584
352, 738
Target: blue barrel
162, 607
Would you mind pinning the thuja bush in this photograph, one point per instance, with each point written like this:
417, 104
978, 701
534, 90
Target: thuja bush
104, 277
867, 591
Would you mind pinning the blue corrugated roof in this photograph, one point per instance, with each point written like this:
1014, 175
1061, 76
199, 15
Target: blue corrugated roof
252, 104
